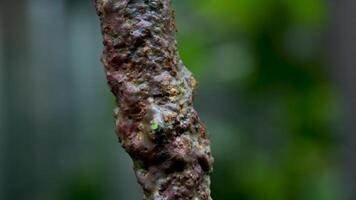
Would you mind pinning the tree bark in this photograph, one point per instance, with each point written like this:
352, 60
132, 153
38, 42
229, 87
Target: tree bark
155, 120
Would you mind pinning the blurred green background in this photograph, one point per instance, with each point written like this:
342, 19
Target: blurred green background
276, 80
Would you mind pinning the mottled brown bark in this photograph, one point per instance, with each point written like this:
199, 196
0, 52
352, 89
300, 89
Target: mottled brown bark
155, 120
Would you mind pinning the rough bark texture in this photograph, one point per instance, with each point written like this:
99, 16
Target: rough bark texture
155, 120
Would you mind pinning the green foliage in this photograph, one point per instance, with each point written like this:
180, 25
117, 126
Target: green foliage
259, 63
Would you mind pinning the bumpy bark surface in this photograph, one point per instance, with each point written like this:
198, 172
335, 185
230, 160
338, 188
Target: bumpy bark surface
155, 120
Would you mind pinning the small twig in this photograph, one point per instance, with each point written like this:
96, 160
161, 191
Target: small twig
155, 120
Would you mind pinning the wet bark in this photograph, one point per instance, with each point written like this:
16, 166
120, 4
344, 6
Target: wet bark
155, 119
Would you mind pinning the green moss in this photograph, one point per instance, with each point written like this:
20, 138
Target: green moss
137, 164
154, 125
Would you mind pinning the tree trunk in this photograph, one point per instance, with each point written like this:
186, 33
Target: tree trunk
155, 120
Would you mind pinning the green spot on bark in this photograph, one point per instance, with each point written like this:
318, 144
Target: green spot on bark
154, 125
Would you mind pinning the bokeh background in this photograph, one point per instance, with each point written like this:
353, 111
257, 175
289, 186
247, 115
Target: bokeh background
277, 85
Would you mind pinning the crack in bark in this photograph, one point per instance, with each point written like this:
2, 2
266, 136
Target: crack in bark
155, 119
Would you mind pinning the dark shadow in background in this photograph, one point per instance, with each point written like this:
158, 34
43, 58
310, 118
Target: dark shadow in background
343, 60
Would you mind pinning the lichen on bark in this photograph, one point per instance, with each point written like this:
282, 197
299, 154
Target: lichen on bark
155, 119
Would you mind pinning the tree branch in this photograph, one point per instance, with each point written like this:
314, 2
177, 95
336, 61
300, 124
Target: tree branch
155, 120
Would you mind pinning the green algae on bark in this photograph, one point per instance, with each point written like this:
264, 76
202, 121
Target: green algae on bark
155, 119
